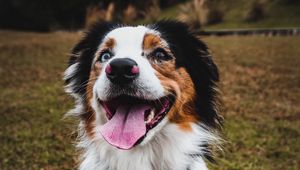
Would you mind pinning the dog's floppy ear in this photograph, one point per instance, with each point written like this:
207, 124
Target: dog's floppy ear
192, 54
77, 74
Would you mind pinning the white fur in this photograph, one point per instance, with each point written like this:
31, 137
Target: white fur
70, 71
69, 88
168, 150
198, 164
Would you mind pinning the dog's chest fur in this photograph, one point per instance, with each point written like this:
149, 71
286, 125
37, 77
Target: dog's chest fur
171, 149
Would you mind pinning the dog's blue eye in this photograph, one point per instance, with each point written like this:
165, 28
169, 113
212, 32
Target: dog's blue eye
104, 57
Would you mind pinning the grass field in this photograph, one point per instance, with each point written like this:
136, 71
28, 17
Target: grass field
278, 13
261, 105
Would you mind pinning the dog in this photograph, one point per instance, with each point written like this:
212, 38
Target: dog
146, 97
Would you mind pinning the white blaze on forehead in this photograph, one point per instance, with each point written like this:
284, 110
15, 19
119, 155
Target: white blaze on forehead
129, 40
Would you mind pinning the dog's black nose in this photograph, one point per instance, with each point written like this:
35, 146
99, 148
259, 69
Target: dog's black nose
122, 70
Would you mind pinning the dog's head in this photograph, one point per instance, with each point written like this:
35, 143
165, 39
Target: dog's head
132, 81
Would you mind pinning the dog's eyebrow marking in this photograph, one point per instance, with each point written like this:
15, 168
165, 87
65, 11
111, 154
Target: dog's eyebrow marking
110, 43
150, 41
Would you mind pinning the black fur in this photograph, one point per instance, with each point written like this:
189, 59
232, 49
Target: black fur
83, 53
192, 54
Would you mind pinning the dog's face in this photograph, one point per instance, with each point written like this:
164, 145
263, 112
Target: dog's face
132, 81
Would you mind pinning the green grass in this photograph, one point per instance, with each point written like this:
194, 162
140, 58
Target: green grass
260, 86
278, 13
33, 134
261, 90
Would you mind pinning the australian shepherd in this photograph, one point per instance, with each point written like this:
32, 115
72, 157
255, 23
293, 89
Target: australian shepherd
146, 97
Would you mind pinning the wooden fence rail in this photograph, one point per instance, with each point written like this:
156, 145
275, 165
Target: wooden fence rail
259, 31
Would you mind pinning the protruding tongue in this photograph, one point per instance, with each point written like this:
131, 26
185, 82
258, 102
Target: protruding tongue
126, 127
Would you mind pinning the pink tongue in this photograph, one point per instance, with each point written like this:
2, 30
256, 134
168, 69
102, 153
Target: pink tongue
126, 127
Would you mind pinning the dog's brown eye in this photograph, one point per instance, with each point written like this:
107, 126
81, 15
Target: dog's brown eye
105, 56
161, 55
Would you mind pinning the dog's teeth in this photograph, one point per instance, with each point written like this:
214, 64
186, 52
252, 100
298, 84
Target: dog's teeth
151, 116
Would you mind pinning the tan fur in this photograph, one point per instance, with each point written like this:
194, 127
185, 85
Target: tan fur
179, 82
151, 41
89, 116
110, 43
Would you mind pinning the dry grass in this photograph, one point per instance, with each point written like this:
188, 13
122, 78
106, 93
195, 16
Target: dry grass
32, 102
260, 84
261, 90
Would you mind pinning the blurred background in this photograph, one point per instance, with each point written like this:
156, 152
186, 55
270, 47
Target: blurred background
258, 59
44, 15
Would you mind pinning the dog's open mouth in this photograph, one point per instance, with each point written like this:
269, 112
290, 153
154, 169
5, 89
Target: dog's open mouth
130, 118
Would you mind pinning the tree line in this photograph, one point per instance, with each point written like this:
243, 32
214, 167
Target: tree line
45, 15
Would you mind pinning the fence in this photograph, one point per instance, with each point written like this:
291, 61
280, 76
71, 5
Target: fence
260, 31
